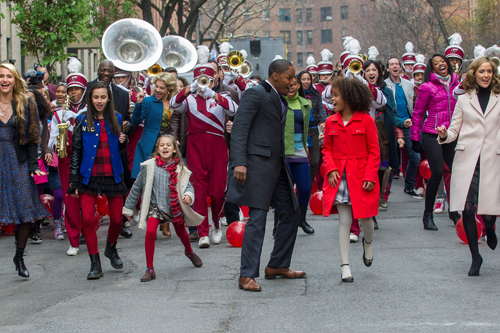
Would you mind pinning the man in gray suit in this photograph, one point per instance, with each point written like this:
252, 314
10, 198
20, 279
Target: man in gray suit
259, 176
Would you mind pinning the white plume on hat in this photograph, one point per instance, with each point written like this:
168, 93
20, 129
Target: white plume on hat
352, 45
346, 41
225, 47
326, 55
310, 61
479, 51
420, 58
455, 39
277, 57
245, 53
409, 47
74, 65
372, 53
203, 54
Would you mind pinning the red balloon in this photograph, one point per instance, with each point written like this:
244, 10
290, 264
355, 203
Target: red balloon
8, 228
461, 231
314, 187
101, 204
97, 220
235, 233
425, 169
245, 210
316, 203
47, 201
106, 209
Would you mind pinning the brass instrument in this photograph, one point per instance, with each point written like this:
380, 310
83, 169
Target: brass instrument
155, 69
457, 69
62, 139
364, 57
203, 81
178, 52
355, 66
235, 59
246, 69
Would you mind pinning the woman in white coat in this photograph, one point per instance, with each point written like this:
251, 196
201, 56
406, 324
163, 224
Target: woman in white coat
475, 180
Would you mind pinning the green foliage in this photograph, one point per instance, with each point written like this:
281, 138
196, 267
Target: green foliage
105, 12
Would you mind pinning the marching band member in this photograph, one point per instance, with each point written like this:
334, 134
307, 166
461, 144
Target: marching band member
206, 152
76, 85
231, 78
409, 61
455, 53
312, 68
325, 71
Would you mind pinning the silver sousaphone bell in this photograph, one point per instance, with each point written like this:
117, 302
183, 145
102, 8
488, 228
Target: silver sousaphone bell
178, 52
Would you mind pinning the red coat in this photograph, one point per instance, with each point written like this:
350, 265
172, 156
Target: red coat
355, 149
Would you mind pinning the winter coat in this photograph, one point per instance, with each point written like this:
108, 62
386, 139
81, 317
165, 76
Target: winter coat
290, 126
437, 101
478, 136
353, 149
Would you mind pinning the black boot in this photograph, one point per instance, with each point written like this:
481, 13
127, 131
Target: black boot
111, 253
276, 221
95, 267
429, 221
454, 216
19, 262
125, 232
303, 223
82, 239
375, 223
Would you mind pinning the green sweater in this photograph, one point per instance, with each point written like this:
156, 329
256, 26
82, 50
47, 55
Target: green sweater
293, 104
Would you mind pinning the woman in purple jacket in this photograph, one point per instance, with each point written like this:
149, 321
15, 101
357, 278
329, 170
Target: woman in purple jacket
435, 97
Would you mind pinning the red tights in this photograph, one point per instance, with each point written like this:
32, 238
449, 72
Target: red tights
87, 203
153, 223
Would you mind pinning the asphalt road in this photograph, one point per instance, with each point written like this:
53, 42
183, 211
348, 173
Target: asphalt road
417, 283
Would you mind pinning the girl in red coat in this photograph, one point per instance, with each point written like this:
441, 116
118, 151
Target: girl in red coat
351, 158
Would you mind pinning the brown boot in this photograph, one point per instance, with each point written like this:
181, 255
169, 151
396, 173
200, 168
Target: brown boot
165, 228
149, 275
195, 259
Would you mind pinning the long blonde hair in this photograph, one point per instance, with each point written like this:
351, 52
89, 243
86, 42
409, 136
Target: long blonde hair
170, 81
19, 91
470, 84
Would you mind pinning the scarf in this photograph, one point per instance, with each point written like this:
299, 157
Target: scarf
175, 206
293, 103
445, 81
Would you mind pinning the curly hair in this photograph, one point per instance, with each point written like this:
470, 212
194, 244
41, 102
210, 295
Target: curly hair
354, 92
170, 81
470, 84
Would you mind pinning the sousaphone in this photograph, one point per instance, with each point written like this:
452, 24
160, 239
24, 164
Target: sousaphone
178, 52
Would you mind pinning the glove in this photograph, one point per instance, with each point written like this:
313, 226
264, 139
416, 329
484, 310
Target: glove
194, 87
209, 93
361, 78
230, 76
68, 115
326, 98
417, 146
348, 74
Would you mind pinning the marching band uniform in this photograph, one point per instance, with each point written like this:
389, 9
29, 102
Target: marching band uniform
324, 67
408, 59
207, 154
312, 68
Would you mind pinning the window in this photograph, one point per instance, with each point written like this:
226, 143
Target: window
266, 15
300, 38
287, 36
309, 37
345, 32
364, 10
285, 14
326, 36
266, 33
309, 15
298, 15
300, 59
326, 13
289, 56
310, 54
344, 12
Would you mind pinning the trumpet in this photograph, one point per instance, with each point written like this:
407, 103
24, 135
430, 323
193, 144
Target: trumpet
203, 81
62, 139
155, 69
235, 59
355, 66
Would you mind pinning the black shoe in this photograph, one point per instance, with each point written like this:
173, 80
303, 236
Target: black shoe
454, 216
475, 266
303, 223
193, 236
375, 223
428, 221
95, 267
34, 234
126, 232
367, 262
491, 237
112, 254
19, 262
82, 239
348, 279
412, 193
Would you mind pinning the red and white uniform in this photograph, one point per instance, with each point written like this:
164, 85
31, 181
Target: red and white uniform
206, 150
239, 85
379, 99
320, 87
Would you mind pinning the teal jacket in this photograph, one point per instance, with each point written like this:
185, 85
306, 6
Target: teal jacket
289, 126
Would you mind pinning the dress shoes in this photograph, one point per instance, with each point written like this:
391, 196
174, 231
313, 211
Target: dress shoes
428, 221
285, 272
248, 284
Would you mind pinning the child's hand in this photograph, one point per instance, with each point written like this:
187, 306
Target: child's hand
186, 199
368, 186
333, 178
122, 138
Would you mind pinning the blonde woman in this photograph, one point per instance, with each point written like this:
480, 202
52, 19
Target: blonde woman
158, 117
475, 180
19, 138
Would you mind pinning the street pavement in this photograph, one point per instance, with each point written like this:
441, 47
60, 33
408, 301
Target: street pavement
418, 283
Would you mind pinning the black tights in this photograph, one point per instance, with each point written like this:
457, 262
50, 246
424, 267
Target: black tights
436, 153
22, 233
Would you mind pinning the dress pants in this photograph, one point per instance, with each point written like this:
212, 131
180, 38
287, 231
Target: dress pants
286, 233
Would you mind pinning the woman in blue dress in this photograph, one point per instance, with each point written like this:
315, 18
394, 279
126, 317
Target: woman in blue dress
19, 138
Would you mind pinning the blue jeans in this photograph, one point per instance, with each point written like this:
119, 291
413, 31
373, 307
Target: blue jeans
301, 177
413, 162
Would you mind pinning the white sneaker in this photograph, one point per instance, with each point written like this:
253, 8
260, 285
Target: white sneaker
421, 191
216, 236
203, 242
72, 251
223, 221
439, 206
353, 238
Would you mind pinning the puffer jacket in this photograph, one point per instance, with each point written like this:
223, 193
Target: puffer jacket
435, 99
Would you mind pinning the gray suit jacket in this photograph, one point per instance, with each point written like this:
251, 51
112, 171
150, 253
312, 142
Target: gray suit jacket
257, 142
